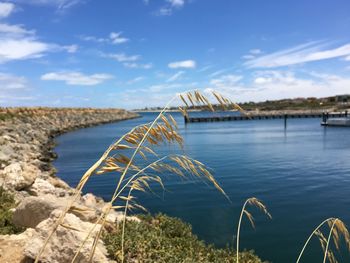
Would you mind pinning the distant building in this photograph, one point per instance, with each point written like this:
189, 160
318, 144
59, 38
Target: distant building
342, 98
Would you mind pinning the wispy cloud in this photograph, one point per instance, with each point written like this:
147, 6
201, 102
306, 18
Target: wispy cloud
182, 64
122, 57
60, 5
135, 80
169, 7
176, 76
77, 78
312, 51
205, 68
252, 54
137, 65
128, 61
225, 81
115, 38
219, 72
11, 82
14, 90
255, 51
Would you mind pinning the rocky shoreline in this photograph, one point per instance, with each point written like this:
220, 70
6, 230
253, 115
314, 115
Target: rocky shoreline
26, 152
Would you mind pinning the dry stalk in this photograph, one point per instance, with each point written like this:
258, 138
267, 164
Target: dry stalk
254, 202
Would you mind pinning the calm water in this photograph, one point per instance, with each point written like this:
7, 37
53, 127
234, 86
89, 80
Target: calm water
302, 174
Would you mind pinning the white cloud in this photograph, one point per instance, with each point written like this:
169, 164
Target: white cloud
255, 51
19, 49
308, 52
77, 78
248, 56
94, 39
182, 64
176, 3
121, 57
136, 65
176, 76
270, 85
262, 80
347, 58
14, 30
19, 43
10, 82
252, 54
169, 7
71, 48
6, 9
116, 38
113, 38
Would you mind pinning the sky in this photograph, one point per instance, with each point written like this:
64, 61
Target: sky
140, 53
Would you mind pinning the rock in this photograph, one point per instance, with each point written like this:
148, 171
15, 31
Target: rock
41, 187
65, 241
12, 247
32, 210
14, 177
6, 152
89, 200
57, 182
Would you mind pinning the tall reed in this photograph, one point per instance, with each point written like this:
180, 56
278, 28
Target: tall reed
337, 229
254, 202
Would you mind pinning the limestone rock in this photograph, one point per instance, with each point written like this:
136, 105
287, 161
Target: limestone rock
41, 187
65, 241
14, 177
32, 210
12, 247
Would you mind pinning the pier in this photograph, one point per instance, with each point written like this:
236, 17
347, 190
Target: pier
285, 116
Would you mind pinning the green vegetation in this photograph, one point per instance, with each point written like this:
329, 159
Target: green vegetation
6, 203
166, 239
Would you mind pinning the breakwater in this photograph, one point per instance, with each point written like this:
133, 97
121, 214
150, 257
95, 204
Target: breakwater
26, 151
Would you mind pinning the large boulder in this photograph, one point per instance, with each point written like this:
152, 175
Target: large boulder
65, 241
32, 210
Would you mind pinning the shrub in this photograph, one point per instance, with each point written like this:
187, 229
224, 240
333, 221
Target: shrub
6, 203
166, 239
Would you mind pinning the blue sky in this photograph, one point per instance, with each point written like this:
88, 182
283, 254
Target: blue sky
137, 53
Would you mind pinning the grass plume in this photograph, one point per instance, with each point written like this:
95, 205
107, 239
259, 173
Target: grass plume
337, 230
253, 202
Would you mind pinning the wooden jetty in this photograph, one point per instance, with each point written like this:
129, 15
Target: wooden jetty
323, 115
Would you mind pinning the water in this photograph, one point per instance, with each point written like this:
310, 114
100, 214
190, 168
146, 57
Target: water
302, 174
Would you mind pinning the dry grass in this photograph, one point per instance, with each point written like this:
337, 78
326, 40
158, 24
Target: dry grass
337, 230
253, 202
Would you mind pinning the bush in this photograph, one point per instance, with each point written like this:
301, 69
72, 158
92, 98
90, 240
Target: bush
166, 239
6, 203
